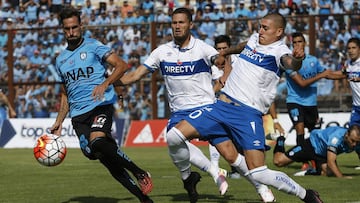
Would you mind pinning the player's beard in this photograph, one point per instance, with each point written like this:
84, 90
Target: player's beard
179, 40
73, 42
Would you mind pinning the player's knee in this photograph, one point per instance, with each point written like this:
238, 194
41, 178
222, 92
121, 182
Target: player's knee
174, 137
279, 160
93, 150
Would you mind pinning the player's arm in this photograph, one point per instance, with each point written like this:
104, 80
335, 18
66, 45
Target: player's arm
332, 165
293, 61
277, 125
234, 49
220, 83
133, 76
337, 75
306, 82
63, 111
5, 100
119, 68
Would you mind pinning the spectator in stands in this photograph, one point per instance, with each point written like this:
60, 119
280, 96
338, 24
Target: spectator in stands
31, 8
43, 13
326, 36
344, 35
18, 72
115, 18
126, 8
314, 8
242, 10
229, 13
332, 24
325, 86
263, 10
284, 9
304, 7
207, 27
147, 5
207, 12
217, 14
3, 38
325, 9
130, 18
52, 21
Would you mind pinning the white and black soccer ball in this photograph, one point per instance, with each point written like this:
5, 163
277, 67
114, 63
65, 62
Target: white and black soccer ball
49, 150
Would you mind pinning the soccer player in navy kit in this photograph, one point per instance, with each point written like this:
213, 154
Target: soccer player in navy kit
247, 95
323, 146
88, 96
301, 100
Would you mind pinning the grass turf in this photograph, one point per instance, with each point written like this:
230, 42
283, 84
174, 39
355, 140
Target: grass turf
78, 180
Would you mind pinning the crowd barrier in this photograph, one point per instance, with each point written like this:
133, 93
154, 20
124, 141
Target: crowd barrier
22, 133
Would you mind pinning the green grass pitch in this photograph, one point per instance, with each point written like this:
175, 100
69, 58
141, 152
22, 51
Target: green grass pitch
78, 180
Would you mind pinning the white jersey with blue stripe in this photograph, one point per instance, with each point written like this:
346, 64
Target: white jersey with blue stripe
353, 70
186, 72
81, 70
256, 73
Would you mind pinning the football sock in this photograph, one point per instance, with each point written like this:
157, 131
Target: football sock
214, 156
198, 159
279, 180
300, 139
241, 167
280, 145
112, 154
123, 177
179, 151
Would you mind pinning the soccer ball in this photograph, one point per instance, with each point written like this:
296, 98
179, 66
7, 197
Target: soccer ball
49, 150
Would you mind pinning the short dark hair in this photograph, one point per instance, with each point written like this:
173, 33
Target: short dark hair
223, 38
354, 40
185, 11
68, 12
298, 34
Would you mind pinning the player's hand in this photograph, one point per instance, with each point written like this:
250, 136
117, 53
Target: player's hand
98, 92
298, 51
347, 177
279, 128
56, 128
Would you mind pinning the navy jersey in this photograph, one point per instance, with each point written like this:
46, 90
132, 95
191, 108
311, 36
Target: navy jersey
81, 70
305, 96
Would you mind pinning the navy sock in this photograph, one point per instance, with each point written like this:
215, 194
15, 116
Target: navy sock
107, 150
280, 145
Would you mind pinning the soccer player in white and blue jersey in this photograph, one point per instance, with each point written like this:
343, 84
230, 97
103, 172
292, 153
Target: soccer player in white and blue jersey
351, 71
323, 146
88, 96
185, 64
247, 95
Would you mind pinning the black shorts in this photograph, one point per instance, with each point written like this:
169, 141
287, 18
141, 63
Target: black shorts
98, 119
303, 114
304, 153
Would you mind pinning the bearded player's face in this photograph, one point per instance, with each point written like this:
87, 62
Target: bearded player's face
72, 30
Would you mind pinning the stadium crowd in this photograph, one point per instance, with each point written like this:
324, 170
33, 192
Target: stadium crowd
125, 28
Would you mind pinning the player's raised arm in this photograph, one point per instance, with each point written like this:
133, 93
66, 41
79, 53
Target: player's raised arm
133, 76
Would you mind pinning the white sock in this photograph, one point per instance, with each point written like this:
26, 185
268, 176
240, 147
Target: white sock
279, 180
241, 167
214, 156
198, 159
179, 151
